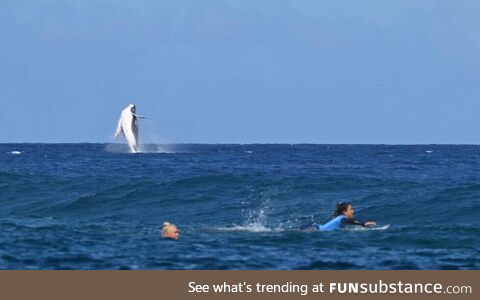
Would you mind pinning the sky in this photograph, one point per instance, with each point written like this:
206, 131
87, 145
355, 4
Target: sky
229, 71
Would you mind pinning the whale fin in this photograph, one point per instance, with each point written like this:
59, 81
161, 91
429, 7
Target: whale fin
140, 117
119, 128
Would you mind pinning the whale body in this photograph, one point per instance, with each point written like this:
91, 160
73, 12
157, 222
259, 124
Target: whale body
128, 125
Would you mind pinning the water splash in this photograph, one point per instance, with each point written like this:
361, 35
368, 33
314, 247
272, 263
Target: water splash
143, 148
116, 148
156, 148
256, 228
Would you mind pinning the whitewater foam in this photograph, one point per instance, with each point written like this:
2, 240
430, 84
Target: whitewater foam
255, 228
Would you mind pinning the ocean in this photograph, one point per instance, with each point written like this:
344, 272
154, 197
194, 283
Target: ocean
95, 206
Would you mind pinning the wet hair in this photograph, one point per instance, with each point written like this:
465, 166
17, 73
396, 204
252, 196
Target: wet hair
167, 225
340, 208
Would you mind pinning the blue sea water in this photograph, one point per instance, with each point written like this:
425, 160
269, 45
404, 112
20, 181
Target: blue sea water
94, 206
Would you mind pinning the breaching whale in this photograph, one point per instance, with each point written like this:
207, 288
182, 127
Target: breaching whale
128, 125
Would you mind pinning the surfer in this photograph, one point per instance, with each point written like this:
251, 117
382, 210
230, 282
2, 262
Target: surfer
342, 216
170, 231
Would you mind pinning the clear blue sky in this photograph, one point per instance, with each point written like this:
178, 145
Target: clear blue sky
231, 71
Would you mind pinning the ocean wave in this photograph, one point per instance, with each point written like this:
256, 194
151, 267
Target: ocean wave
95, 209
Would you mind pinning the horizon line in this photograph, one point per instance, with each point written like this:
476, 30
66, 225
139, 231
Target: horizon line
262, 143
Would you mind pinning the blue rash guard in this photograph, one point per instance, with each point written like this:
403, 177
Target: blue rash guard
333, 224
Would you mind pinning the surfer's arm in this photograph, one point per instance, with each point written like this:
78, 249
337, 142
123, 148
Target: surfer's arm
352, 221
357, 222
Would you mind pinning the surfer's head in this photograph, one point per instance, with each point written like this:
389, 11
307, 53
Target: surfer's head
132, 107
170, 231
344, 208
